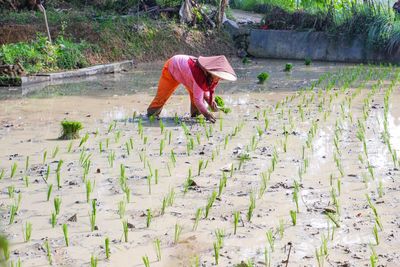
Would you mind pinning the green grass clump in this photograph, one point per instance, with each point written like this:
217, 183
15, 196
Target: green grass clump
70, 129
262, 77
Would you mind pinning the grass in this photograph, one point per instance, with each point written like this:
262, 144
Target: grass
70, 129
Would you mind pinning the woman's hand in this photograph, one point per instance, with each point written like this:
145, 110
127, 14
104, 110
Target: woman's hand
210, 117
214, 106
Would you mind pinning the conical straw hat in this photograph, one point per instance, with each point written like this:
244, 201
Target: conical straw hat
219, 67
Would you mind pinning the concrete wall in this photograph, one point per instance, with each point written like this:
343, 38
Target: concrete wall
314, 45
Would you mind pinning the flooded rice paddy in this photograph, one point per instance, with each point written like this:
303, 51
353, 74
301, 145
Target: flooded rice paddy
302, 172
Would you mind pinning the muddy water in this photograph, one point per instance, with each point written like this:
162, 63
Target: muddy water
30, 126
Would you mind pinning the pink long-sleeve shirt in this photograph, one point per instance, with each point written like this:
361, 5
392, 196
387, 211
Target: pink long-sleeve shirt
180, 70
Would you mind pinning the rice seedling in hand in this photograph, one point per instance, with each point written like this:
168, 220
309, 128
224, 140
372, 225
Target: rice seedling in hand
199, 212
157, 246
236, 218
57, 205
48, 252
125, 229
262, 77
65, 231
293, 216
13, 170
107, 247
70, 129
149, 217
252, 206
146, 261
177, 233
270, 239
216, 253
27, 231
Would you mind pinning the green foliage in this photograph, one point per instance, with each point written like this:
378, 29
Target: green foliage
39, 55
262, 77
70, 129
288, 66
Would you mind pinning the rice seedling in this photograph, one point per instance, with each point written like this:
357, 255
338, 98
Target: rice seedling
293, 216
157, 246
14, 167
121, 209
84, 140
2, 174
262, 77
288, 67
92, 220
373, 258
177, 233
107, 143
69, 147
53, 219
49, 190
199, 212
57, 205
296, 190
149, 217
252, 206
48, 252
125, 230
26, 163
236, 218
220, 235
55, 152
200, 166
210, 202
231, 171
376, 235
65, 231
216, 253
281, 228
10, 191
146, 261
162, 145
226, 141
267, 257
380, 189
44, 156
148, 177
93, 261
70, 129
107, 247
222, 184
89, 189
27, 231
270, 239
111, 159
333, 219
128, 149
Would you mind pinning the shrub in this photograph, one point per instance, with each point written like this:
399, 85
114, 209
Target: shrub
70, 129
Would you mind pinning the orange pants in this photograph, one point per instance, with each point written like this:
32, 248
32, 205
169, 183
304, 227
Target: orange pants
166, 87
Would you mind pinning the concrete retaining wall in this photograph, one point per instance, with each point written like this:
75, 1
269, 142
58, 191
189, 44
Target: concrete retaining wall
314, 45
94, 70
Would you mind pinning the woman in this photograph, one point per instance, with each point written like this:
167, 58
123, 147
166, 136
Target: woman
200, 76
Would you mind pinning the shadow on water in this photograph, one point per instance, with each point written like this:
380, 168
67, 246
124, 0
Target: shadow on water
144, 78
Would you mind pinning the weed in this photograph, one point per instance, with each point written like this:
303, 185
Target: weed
65, 231
236, 218
11, 190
